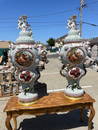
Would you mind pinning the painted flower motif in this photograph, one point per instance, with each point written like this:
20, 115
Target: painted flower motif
75, 72
25, 76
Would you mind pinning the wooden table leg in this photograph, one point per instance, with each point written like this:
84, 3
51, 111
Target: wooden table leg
15, 122
7, 122
92, 114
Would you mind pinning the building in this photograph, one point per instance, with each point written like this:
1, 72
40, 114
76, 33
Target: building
60, 41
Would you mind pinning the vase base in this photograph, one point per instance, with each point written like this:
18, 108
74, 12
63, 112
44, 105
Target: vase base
75, 93
29, 98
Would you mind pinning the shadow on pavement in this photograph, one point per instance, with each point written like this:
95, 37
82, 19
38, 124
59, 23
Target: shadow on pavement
55, 121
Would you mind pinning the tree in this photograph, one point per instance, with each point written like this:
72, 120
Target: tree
51, 42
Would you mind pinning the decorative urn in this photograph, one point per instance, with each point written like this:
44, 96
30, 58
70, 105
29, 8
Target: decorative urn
25, 57
75, 56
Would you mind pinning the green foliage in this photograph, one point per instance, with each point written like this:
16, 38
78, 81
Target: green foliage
51, 42
26, 90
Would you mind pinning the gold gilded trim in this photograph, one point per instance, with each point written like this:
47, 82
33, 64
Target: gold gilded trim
26, 104
74, 98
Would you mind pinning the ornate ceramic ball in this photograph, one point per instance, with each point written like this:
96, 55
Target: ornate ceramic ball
75, 55
24, 58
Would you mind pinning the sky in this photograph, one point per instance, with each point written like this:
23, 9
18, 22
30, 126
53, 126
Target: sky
48, 18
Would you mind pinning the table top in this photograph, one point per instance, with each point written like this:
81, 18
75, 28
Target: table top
52, 100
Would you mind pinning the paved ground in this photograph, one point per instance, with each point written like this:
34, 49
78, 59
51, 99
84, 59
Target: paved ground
63, 121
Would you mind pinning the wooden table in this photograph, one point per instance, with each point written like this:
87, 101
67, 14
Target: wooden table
52, 103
